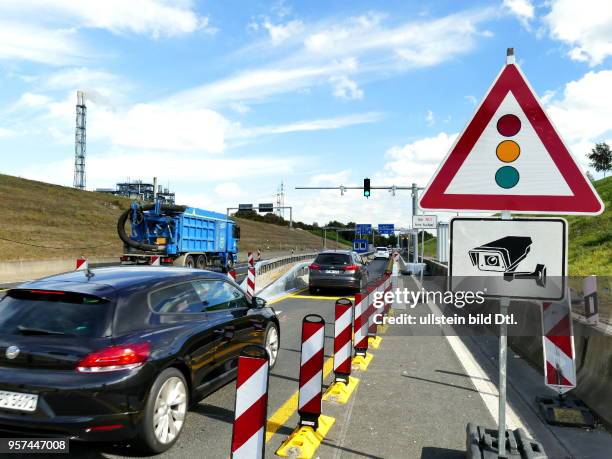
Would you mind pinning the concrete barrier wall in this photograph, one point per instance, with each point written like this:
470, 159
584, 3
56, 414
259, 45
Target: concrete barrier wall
17, 271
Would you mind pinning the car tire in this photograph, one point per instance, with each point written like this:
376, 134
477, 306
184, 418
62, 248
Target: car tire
272, 334
172, 381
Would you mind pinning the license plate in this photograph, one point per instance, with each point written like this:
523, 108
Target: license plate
332, 271
18, 401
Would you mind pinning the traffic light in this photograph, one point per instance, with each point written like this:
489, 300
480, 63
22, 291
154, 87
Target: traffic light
366, 187
508, 151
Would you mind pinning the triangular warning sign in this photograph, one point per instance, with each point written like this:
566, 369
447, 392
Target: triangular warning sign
510, 157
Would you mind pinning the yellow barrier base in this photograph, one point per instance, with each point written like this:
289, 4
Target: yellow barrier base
374, 343
361, 363
382, 329
339, 392
304, 441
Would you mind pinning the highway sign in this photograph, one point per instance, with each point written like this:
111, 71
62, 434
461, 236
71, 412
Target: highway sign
363, 228
245, 206
386, 228
519, 258
424, 221
510, 157
266, 208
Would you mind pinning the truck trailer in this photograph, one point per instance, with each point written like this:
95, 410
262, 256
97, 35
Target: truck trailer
178, 235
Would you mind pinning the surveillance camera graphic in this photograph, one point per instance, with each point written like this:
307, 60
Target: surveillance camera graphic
504, 255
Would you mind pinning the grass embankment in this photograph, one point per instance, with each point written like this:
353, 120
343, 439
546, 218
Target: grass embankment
76, 223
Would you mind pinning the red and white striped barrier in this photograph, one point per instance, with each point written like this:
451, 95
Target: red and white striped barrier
155, 260
343, 334
258, 255
372, 327
311, 370
558, 344
232, 274
361, 323
81, 264
250, 275
248, 435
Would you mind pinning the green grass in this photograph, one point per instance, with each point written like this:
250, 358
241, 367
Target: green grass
590, 238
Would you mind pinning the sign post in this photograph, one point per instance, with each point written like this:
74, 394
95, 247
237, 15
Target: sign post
509, 158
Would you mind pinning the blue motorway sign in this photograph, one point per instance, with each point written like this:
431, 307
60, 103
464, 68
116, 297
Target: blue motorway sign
386, 228
363, 228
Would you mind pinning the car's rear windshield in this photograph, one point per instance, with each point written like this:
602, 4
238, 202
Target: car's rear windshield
54, 313
381, 249
333, 259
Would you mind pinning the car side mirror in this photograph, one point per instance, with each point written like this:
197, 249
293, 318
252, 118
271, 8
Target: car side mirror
258, 303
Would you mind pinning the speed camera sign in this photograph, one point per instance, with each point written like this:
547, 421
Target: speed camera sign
518, 258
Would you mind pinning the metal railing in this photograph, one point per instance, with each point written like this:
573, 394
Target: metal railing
262, 267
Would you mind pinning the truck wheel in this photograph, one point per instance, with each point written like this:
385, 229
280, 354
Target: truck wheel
201, 262
189, 262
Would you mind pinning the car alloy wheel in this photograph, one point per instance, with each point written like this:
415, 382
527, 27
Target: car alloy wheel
272, 344
170, 410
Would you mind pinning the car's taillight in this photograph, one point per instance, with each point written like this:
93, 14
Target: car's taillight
351, 268
113, 358
314, 267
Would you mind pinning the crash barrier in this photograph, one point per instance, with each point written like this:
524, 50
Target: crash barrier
296, 278
81, 264
232, 274
251, 273
22, 270
250, 412
313, 426
311, 370
593, 353
558, 346
268, 271
343, 335
361, 323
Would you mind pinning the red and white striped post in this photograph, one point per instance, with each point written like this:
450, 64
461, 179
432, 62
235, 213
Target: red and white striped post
311, 370
343, 331
81, 264
388, 288
232, 274
589, 288
372, 327
361, 324
258, 255
250, 275
155, 260
250, 413
558, 344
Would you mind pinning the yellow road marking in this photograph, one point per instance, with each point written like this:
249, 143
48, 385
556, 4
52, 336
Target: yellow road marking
312, 297
287, 409
284, 297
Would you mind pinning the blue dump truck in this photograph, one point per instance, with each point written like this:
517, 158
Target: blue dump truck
178, 235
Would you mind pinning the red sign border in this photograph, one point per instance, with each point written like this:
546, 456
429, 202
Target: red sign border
584, 201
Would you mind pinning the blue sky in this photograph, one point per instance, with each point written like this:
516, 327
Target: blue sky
224, 100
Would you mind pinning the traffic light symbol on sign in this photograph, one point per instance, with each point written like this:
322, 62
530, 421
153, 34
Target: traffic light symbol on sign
508, 151
366, 187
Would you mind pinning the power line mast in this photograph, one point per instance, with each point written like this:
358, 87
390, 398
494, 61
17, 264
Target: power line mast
280, 200
80, 141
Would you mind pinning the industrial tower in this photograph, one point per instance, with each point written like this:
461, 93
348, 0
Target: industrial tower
80, 140
280, 200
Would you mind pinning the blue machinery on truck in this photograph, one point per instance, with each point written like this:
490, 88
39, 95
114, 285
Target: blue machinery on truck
179, 235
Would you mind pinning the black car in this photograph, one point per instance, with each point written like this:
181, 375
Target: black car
120, 353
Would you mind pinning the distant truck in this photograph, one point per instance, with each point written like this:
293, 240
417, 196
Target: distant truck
179, 235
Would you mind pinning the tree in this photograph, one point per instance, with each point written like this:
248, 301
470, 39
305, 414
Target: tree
601, 158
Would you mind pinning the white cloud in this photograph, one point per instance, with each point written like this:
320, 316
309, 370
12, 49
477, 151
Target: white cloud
190, 169
309, 125
154, 18
39, 44
416, 161
471, 99
522, 9
4, 133
229, 190
345, 88
240, 108
330, 179
585, 26
282, 32
30, 100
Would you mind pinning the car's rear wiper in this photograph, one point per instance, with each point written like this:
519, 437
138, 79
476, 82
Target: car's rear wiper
38, 331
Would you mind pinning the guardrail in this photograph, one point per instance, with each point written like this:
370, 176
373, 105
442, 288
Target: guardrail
262, 267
